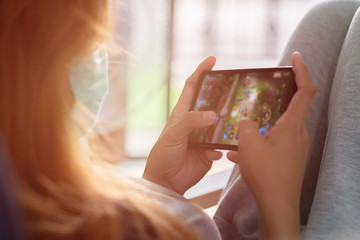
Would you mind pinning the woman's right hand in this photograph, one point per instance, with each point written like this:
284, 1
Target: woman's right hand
273, 166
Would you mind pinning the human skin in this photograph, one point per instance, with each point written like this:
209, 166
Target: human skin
272, 166
172, 163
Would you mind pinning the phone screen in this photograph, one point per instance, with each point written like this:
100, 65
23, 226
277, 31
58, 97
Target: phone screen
259, 94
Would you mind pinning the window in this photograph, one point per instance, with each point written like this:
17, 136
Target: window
165, 40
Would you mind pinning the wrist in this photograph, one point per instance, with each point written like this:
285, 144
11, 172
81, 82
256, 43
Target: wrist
279, 219
160, 182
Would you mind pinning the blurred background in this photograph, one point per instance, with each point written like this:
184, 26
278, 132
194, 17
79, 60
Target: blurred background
165, 40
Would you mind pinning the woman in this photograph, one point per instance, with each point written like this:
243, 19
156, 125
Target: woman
65, 196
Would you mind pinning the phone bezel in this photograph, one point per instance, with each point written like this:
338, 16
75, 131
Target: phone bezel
292, 90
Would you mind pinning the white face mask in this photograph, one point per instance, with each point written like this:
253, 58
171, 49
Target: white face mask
89, 82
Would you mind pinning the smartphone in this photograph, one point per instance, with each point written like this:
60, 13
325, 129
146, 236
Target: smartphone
261, 94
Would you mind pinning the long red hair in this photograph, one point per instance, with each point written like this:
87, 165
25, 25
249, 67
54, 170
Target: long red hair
64, 196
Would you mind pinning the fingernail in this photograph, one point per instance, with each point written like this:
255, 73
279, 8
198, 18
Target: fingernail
299, 56
209, 116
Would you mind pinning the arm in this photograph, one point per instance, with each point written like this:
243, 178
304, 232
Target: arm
273, 166
279, 220
171, 162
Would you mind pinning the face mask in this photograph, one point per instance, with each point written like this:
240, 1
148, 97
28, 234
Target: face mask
89, 82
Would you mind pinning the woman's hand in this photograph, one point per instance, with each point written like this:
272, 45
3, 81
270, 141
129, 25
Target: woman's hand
171, 162
273, 166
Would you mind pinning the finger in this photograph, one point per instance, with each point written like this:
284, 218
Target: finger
233, 156
302, 99
191, 121
185, 100
206, 157
213, 154
248, 134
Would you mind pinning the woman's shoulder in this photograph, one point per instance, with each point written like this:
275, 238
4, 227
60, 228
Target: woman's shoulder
180, 207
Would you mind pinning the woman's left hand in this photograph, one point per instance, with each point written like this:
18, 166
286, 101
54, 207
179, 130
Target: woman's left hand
171, 162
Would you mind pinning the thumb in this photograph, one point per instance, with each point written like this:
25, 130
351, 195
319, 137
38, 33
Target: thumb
190, 122
248, 134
